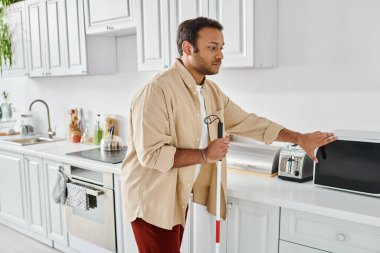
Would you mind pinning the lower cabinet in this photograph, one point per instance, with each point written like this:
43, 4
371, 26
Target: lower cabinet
13, 204
55, 213
287, 247
250, 227
328, 234
124, 235
35, 195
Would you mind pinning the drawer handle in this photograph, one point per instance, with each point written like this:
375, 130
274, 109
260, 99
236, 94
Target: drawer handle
229, 205
341, 237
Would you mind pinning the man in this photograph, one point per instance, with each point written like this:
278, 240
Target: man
172, 152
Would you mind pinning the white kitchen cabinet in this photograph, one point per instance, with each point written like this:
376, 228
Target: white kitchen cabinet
35, 38
35, 195
13, 204
329, 234
125, 238
53, 14
15, 17
153, 45
252, 227
287, 247
181, 10
109, 16
55, 212
45, 37
203, 230
86, 55
57, 44
250, 31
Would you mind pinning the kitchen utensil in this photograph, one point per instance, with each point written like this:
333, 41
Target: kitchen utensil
111, 142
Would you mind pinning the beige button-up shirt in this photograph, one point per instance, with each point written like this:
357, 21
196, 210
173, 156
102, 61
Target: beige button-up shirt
165, 115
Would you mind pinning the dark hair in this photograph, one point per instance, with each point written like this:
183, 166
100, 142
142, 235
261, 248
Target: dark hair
188, 31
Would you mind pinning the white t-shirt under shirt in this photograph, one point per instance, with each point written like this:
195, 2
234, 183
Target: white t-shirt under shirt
204, 132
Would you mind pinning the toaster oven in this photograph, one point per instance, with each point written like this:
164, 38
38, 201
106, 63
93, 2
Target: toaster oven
351, 163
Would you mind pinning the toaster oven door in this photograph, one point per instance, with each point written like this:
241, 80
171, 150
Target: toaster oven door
349, 165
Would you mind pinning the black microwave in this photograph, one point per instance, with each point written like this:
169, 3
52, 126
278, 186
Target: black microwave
351, 163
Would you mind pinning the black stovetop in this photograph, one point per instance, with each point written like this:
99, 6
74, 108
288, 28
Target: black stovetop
114, 157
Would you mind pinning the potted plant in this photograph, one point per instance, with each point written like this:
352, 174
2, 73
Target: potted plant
5, 37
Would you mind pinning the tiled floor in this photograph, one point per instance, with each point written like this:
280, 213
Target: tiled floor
14, 242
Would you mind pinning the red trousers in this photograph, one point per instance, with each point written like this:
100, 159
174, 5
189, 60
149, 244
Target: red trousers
153, 239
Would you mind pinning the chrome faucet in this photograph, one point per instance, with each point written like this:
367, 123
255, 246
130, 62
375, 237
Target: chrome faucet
50, 131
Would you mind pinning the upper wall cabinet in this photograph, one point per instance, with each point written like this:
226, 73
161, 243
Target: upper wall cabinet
109, 16
153, 47
182, 10
57, 44
250, 30
45, 37
15, 16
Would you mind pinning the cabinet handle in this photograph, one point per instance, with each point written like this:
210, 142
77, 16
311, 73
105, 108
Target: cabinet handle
229, 205
48, 73
84, 71
341, 237
109, 27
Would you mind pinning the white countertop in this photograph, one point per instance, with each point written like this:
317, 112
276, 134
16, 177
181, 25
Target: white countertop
57, 151
273, 191
306, 197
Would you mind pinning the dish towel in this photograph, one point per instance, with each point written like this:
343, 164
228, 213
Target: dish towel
77, 197
59, 189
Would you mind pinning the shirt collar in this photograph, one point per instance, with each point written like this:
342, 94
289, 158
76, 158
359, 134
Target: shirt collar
186, 76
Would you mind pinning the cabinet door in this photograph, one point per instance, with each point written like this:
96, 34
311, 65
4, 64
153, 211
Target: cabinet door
76, 62
12, 189
55, 213
35, 38
111, 15
153, 46
252, 227
125, 238
203, 231
54, 39
35, 195
15, 17
182, 10
250, 31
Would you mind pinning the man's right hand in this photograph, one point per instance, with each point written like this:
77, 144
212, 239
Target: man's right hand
217, 150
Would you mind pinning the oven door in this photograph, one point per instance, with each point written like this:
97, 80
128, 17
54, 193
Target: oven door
96, 225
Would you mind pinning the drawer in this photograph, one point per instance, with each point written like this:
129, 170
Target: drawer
288, 247
329, 234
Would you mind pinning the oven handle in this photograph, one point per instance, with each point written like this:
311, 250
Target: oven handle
95, 193
89, 191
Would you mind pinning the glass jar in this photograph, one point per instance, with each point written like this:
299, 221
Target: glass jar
26, 124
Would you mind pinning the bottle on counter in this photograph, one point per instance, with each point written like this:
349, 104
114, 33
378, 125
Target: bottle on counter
98, 131
86, 138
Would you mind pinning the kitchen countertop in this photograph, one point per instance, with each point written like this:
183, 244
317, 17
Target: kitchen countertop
57, 151
273, 191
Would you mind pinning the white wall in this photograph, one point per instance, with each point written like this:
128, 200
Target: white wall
327, 78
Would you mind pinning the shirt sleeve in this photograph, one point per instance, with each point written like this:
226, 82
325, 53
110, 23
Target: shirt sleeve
151, 129
239, 122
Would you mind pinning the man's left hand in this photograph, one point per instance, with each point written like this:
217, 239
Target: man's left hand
311, 141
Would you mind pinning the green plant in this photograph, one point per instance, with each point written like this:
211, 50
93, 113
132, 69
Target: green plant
5, 38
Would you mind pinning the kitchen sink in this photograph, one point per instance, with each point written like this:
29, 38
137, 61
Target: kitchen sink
30, 140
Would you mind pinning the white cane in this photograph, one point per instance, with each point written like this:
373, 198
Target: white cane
218, 187
208, 120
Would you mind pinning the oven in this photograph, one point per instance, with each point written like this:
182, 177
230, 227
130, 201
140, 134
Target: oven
92, 230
